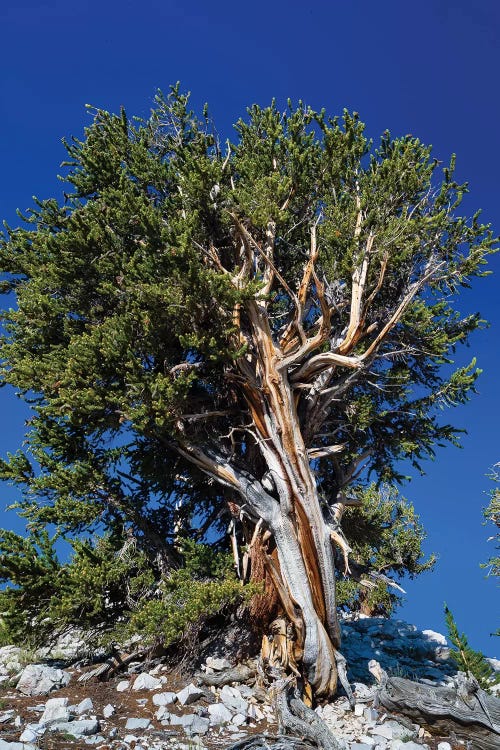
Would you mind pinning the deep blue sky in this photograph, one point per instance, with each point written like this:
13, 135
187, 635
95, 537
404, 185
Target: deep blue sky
429, 68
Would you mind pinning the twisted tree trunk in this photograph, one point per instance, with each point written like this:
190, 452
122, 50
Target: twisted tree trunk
303, 570
269, 376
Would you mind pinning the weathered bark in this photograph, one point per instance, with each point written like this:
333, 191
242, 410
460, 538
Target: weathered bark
272, 742
240, 673
296, 719
462, 709
269, 377
306, 577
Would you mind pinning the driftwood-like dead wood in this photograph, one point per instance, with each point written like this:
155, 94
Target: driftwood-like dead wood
241, 673
272, 742
298, 720
461, 709
115, 663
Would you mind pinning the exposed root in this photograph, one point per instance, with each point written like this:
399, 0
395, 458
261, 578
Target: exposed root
342, 673
271, 742
296, 719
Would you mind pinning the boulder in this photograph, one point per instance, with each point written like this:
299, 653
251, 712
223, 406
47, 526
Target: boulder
38, 679
29, 735
181, 721
232, 698
146, 681
108, 711
56, 710
84, 707
198, 726
137, 723
219, 714
164, 699
217, 664
190, 694
163, 714
79, 728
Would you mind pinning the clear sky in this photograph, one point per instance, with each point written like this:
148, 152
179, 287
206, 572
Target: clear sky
429, 68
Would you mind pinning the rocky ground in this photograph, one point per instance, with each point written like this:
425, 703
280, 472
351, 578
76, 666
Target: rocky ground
150, 707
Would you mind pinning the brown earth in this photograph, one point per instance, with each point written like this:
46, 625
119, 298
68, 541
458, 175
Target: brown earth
130, 703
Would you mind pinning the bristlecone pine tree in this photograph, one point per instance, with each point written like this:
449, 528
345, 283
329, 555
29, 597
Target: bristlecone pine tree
255, 327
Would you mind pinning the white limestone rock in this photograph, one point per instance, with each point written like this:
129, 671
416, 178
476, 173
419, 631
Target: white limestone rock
232, 698
254, 712
218, 665
78, 729
122, 686
56, 710
28, 735
137, 723
108, 710
145, 681
162, 714
238, 720
199, 726
494, 663
84, 707
431, 635
219, 714
164, 699
393, 730
185, 720
190, 694
370, 741
38, 679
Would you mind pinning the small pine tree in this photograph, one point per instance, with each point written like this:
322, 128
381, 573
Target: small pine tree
467, 660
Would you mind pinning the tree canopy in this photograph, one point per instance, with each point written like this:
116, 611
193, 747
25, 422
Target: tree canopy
252, 328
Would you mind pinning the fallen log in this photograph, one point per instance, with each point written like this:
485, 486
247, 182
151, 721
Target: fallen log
240, 673
461, 708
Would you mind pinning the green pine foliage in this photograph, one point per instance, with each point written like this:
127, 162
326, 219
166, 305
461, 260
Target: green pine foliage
122, 340
492, 516
387, 545
467, 660
109, 589
203, 588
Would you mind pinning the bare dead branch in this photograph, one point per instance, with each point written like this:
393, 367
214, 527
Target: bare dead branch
324, 451
324, 361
